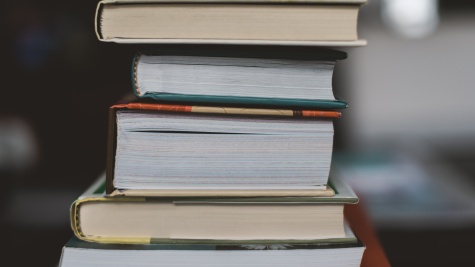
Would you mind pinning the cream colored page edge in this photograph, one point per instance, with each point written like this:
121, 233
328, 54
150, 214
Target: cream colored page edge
91, 229
360, 42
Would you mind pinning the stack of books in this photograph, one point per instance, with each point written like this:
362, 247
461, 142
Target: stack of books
222, 157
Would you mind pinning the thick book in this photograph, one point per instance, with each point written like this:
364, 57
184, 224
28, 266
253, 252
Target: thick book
266, 77
100, 218
77, 253
214, 149
301, 22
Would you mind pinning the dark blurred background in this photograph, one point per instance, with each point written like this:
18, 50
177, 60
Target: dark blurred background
406, 143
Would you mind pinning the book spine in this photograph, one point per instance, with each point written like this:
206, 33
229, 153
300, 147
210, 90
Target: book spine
97, 21
76, 222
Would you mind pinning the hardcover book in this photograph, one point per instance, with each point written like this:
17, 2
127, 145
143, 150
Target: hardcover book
77, 253
171, 147
268, 77
301, 22
211, 220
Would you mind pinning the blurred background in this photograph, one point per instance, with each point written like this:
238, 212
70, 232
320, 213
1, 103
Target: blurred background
406, 143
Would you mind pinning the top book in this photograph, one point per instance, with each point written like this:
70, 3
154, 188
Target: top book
263, 22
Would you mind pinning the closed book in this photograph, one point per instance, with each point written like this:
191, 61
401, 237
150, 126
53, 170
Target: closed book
258, 76
77, 253
214, 149
211, 220
301, 22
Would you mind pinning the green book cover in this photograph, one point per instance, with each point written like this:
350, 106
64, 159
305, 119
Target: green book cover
247, 101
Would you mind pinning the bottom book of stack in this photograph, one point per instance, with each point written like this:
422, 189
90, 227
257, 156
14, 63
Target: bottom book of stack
79, 253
